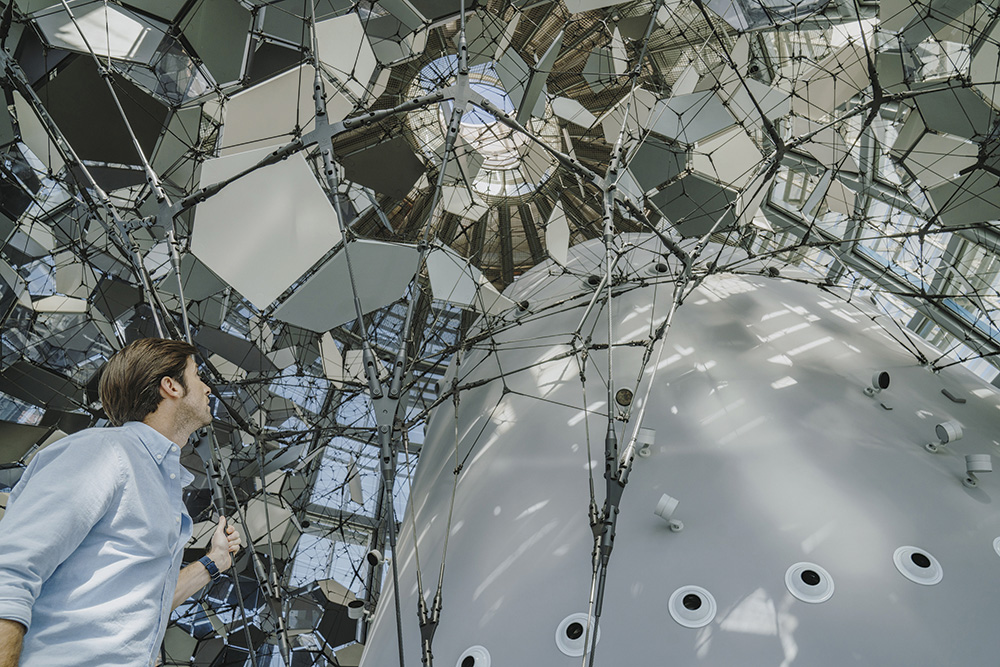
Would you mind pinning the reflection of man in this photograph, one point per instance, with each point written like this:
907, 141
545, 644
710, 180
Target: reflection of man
94, 532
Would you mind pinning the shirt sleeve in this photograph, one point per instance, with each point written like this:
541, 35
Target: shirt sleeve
65, 491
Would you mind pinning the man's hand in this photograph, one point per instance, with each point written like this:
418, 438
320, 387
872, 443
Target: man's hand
11, 634
225, 541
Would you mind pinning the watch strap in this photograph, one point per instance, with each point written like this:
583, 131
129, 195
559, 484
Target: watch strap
213, 571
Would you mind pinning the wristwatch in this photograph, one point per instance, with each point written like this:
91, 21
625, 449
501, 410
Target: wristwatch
213, 571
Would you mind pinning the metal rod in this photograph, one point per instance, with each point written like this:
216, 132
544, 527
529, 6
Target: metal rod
217, 455
283, 643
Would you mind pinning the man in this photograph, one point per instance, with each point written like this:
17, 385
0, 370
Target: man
94, 532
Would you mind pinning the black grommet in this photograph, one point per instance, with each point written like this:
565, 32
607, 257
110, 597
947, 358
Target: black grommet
691, 601
810, 577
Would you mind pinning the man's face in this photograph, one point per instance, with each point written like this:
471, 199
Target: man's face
195, 406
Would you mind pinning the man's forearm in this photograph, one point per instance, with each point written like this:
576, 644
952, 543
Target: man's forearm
225, 542
11, 635
190, 580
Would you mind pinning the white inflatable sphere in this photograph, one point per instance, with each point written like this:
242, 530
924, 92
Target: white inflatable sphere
817, 529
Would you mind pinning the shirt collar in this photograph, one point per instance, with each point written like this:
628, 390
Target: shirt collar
157, 444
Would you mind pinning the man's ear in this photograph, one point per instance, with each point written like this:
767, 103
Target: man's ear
170, 388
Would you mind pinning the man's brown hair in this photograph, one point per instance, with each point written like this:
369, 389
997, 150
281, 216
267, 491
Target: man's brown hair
130, 384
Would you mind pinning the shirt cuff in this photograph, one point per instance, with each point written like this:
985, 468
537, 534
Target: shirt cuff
16, 610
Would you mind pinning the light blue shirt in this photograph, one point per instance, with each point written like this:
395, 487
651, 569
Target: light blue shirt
90, 547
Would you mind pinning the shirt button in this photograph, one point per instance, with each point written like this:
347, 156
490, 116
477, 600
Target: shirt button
173, 476
177, 520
